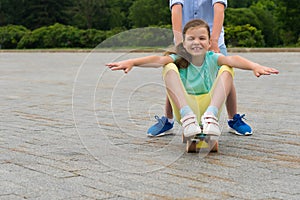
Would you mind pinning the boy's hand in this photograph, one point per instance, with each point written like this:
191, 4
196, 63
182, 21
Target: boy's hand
125, 65
262, 70
214, 46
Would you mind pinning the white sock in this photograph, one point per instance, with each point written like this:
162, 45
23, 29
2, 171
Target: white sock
171, 120
212, 109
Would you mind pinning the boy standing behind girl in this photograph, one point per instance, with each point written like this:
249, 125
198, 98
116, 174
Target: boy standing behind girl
197, 80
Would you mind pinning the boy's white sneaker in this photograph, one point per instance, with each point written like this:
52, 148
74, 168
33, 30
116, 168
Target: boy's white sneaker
190, 125
210, 125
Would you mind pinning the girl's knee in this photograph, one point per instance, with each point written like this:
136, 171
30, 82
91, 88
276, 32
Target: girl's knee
226, 74
226, 70
170, 67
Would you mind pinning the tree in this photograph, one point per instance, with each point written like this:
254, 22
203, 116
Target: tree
241, 16
289, 17
278, 20
118, 14
88, 14
240, 3
11, 12
265, 11
143, 13
38, 13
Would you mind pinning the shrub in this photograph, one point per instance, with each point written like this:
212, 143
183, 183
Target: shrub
141, 37
62, 36
241, 16
55, 36
91, 38
11, 35
243, 36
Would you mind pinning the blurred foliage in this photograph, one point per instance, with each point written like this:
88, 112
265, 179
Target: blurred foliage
61, 36
243, 36
84, 23
11, 35
140, 37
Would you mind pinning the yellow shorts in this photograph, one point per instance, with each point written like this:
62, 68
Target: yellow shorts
198, 103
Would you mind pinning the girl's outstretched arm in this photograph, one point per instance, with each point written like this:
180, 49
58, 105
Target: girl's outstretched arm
148, 61
243, 63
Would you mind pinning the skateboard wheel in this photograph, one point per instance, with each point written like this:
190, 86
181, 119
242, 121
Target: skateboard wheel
214, 146
184, 139
191, 146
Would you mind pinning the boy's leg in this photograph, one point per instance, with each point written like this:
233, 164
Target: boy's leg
231, 107
168, 109
231, 103
235, 122
165, 123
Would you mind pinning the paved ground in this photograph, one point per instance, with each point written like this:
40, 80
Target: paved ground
71, 129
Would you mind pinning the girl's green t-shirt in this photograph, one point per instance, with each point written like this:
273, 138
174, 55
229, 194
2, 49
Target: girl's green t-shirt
199, 80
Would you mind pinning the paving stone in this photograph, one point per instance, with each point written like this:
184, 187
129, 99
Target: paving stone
72, 129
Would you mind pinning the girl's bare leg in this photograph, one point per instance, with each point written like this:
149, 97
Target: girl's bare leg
231, 104
177, 93
175, 90
220, 92
222, 89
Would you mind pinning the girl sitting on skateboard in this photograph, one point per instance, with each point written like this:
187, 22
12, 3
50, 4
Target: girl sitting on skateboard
198, 81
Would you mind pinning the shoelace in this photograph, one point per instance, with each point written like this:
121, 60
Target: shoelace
239, 119
159, 121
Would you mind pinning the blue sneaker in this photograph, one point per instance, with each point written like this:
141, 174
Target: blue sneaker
160, 128
238, 126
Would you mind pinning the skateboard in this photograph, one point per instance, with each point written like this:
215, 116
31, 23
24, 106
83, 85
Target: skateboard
201, 143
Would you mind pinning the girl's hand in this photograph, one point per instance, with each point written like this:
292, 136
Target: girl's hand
262, 70
125, 65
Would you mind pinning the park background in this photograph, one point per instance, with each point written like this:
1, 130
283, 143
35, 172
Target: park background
32, 24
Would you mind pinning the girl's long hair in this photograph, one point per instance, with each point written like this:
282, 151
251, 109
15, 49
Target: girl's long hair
184, 57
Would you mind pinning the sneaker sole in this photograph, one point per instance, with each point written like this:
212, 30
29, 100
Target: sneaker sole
191, 134
168, 132
231, 130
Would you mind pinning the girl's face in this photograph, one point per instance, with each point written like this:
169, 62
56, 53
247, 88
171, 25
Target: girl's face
196, 41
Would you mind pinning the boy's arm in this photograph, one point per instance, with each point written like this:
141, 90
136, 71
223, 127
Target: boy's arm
243, 63
176, 13
219, 9
148, 61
